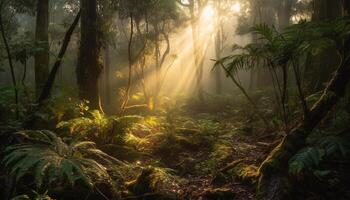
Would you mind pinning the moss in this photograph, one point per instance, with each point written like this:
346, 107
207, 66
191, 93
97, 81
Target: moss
246, 173
221, 152
155, 181
274, 162
273, 177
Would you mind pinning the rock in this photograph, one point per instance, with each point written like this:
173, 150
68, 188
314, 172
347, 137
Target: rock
219, 194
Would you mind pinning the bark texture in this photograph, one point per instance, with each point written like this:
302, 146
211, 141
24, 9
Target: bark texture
42, 43
321, 67
89, 66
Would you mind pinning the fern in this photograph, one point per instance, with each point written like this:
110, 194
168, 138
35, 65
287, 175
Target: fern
264, 31
98, 126
277, 49
50, 160
306, 159
333, 145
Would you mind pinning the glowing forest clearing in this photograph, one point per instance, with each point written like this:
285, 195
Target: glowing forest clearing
174, 100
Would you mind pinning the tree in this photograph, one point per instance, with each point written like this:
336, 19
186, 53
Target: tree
4, 38
196, 8
166, 13
89, 67
273, 182
145, 30
288, 49
323, 10
273, 171
42, 43
47, 89
219, 44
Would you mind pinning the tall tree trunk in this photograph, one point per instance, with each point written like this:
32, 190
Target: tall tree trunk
42, 42
107, 74
321, 67
89, 67
284, 13
9, 57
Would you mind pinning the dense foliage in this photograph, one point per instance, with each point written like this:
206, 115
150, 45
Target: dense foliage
174, 99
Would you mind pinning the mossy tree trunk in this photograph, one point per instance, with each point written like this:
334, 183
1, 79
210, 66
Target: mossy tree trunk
273, 182
89, 67
42, 43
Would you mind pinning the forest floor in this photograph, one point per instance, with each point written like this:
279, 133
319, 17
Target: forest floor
213, 155
179, 152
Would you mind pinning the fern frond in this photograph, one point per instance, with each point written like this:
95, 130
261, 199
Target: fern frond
306, 159
264, 31
55, 161
333, 145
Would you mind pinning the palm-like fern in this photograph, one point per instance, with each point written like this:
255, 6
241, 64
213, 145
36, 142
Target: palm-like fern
306, 159
280, 48
98, 126
52, 161
281, 51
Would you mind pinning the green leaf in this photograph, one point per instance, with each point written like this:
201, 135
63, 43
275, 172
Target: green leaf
306, 159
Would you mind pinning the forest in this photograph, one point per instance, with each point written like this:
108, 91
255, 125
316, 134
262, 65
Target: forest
174, 99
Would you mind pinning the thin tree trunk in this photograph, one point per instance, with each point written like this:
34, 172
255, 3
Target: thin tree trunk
13, 76
218, 50
46, 92
297, 75
251, 101
24, 72
128, 87
157, 59
42, 42
160, 64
